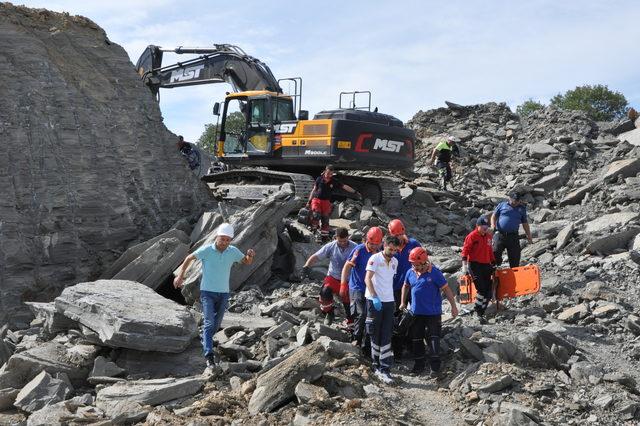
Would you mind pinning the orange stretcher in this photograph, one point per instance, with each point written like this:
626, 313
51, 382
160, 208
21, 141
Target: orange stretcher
508, 283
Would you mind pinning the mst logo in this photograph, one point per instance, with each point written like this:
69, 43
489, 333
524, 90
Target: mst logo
387, 145
190, 73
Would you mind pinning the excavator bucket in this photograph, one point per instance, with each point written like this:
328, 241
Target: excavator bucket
467, 290
514, 282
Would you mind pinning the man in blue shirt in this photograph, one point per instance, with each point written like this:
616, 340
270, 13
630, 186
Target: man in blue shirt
337, 252
397, 229
426, 282
352, 284
217, 260
505, 221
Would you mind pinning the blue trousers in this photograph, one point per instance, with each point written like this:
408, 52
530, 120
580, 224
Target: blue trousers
213, 307
379, 326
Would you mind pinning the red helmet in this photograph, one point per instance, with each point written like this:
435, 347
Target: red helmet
418, 255
396, 227
374, 235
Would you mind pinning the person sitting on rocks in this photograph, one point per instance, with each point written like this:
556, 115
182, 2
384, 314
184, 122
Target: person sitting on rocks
337, 252
381, 269
217, 260
352, 284
320, 200
190, 152
396, 228
478, 259
426, 282
506, 220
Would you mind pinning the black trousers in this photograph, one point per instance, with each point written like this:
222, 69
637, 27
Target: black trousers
448, 174
400, 342
429, 326
358, 306
509, 241
482, 279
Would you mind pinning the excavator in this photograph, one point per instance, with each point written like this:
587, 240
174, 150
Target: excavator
266, 139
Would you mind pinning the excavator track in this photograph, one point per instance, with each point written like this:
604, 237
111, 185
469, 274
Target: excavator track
256, 184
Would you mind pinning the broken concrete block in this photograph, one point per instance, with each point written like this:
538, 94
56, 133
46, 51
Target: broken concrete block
277, 386
42, 390
332, 333
497, 385
574, 313
609, 243
128, 314
189, 362
541, 150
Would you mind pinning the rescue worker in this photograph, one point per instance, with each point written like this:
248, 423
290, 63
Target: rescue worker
381, 269
337, 252
426, 282
352, 283
505, 221
444, 152
320, 199
396, 228
217, 260
478, 259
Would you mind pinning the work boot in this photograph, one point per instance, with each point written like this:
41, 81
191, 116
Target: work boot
418, 368
210, 360
328, 319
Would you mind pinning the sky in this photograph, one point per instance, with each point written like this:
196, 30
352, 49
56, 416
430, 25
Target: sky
412, 55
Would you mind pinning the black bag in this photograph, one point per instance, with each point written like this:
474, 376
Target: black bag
403, 320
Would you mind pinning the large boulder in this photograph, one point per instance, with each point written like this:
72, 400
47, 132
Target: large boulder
51, 357
148, 392
611, 220
156, 263
90, 167
127, 314
277, 386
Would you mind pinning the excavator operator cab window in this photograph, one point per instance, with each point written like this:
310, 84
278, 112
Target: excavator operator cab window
235, 125
283, 110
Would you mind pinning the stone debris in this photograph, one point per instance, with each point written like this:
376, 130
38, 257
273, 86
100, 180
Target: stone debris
43, 390
116, 351
118, 311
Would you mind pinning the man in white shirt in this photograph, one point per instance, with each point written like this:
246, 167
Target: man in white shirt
380, 306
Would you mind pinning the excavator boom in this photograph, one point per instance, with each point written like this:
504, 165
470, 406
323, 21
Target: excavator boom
221, 63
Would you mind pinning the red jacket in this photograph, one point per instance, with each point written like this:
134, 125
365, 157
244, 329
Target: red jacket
478, 248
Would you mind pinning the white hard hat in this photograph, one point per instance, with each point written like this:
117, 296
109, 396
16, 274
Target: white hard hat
225, 229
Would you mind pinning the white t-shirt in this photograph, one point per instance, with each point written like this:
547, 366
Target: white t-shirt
383, 273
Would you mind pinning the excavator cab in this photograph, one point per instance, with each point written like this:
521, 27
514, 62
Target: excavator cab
250, 123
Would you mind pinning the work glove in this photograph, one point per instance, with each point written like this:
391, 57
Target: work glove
377, 303
344, 292
306, 271
465, 268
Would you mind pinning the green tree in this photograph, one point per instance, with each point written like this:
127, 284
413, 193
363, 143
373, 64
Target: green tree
600, 103
528, 107
235, 124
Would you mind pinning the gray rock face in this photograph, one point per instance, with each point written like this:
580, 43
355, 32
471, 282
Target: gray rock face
96, 168
43, 390
127, 314
54, 321
610, 220
277, 385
